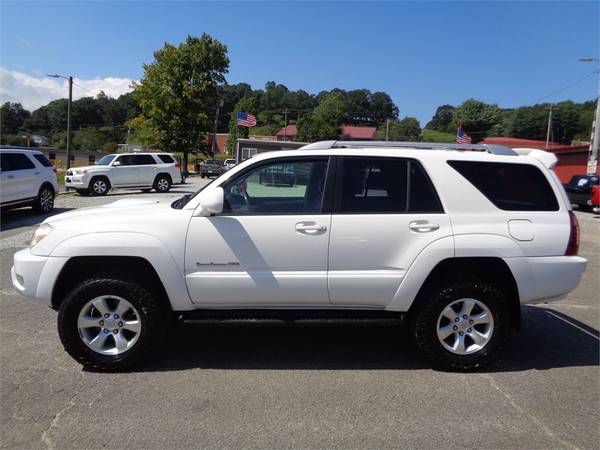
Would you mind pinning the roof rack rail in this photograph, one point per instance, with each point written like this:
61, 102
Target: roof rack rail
488, 148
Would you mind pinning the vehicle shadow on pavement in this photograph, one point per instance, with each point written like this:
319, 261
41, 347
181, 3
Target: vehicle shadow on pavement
544, 342
24, 217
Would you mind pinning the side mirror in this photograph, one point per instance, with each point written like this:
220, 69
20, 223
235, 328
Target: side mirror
211, 202
116, 163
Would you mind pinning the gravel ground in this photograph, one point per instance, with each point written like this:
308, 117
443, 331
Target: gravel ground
317, 387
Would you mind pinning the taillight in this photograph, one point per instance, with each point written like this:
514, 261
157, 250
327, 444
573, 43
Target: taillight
177, 165
54, 170
573, 245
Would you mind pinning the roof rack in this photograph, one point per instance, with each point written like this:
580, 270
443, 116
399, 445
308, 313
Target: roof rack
488, 148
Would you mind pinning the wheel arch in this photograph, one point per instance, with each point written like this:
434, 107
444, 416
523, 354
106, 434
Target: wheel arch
491, 269
100, 175
167, 174
46, 184
78, 268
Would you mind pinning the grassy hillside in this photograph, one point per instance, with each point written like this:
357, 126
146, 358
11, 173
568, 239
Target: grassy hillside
437, 136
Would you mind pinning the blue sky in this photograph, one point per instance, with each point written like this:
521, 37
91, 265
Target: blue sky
423, 54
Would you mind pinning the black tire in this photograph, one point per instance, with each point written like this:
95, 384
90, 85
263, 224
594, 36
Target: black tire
146, 190
162, 183
423, 324
202, 175
153, 315
44, 202
82, 192
99, 186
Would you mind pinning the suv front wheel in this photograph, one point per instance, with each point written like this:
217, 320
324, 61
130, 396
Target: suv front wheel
111, 323
462, 326
99, 186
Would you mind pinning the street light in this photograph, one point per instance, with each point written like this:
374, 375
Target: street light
593, 157
68, 115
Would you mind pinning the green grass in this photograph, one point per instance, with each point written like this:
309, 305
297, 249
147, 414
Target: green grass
437, 136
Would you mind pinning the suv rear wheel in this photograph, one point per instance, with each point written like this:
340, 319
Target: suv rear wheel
462, 326
111, 323
44, 203
99, 186
162, 183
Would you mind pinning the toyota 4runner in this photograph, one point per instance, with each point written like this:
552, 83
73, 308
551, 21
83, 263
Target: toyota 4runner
145, 171
451, 238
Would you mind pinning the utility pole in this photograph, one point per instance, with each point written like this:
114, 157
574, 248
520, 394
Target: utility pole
549, 128
387, 129
595, 143
69, 123
70, 79
213, 145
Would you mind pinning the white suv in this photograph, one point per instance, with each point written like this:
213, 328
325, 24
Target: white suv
26, 179
452, 238
145, 171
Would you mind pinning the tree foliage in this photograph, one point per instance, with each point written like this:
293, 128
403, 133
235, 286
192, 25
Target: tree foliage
407, 129
12, 117
178, 92
325, 122
443, 119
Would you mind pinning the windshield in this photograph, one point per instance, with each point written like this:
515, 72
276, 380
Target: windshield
105, 160
213, 161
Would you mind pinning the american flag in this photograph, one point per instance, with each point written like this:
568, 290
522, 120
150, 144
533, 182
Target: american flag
461, 136
245, 120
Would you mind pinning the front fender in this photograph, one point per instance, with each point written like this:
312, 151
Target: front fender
141, 245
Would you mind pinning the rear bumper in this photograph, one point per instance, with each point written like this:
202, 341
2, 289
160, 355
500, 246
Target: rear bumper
542, 279
34, 276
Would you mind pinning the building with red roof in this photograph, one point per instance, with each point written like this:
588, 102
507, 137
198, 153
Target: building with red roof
572, 159
347, 132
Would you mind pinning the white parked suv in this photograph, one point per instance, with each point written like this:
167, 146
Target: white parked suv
27, 178
145, 171
452, 238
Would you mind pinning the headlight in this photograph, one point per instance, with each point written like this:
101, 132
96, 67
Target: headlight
79, 172
42, 231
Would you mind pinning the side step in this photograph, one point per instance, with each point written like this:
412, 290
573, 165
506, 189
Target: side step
290, 316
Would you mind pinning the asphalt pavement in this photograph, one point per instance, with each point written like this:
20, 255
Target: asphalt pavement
301, 386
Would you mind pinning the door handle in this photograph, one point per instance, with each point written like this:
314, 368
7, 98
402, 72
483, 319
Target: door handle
423, 226
310, 227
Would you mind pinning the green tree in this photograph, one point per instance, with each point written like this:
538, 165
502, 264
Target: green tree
407, 129
442, 120
325, 122
478, 118
246, 104
178, 92
12, 117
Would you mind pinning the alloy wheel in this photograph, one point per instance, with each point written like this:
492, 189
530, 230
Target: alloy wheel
465, 326
46, 200
162, 184
99, 186
109, 325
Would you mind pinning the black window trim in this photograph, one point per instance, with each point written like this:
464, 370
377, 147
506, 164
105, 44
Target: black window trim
327, 194
337, 202
24, 155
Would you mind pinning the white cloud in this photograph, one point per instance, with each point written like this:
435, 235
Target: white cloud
33, 92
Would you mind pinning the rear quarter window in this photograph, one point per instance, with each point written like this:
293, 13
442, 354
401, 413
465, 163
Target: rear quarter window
509, 186
42, 160
167, 159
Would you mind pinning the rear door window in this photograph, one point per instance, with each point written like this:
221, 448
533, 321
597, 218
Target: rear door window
509, 186
143, 160
385, 186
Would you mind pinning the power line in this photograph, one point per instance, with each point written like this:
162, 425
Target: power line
567, 86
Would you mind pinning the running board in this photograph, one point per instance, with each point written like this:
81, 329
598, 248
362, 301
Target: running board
290, 317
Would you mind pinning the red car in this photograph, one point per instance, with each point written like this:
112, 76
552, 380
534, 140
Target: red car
596, 199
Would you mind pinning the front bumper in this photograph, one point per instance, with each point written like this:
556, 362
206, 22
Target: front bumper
548, 278
76, 181
34, 276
